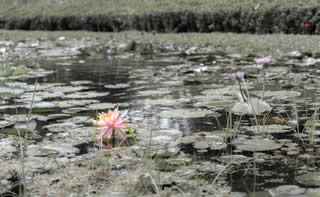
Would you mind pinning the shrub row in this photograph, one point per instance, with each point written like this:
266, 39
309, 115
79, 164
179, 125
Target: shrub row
274, 20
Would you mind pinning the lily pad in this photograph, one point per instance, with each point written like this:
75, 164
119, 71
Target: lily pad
7, 147
82, 82
26, 125
252, 106
87, 94
58, 116
38, 96
310, 180
205, 140
61, 127
78, 119
218, 104
75, 110
255, 145
287, 190
9, 92
57, 150
186, 113
165, 142
118, 86
101, 106
73, 103
6, 123
282, 94
24, 117
269, 129
66, 89
228, 90
41, 105
166, 101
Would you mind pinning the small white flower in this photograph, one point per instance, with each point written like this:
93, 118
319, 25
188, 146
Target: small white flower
201, 69
2, 50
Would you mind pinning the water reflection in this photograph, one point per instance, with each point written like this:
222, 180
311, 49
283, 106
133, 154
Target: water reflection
142, 84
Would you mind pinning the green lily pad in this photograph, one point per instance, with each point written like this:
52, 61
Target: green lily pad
101, 106
269, 128
19, 71
166, 101
252, 106
9, 92
82, 82
282, 94
75, 110
255, 145
58, 116
117, 86
186, 113
73, 103
310, 180
87, 94
6, 123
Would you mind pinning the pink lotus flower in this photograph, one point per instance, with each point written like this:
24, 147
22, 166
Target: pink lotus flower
111, 122
238, 76
263, 60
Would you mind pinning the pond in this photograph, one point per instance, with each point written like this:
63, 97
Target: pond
187, 99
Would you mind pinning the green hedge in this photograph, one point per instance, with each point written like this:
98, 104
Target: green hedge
273, 20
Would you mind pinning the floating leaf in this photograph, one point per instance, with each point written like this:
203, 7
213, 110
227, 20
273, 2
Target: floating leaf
252, 106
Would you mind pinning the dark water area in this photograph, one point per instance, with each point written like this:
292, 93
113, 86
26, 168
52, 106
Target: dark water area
111, 72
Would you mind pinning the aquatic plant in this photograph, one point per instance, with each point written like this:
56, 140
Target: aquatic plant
239, 76
261, 62
111, 123
2, 52
175, 46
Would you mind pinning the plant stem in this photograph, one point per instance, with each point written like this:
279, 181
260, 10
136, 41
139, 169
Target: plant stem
243, 97
113, 139
264, 82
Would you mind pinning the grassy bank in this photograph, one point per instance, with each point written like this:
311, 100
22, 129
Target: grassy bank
271, 44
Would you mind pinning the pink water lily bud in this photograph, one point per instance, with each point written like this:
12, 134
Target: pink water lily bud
238, 76
175, 46
263, 60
